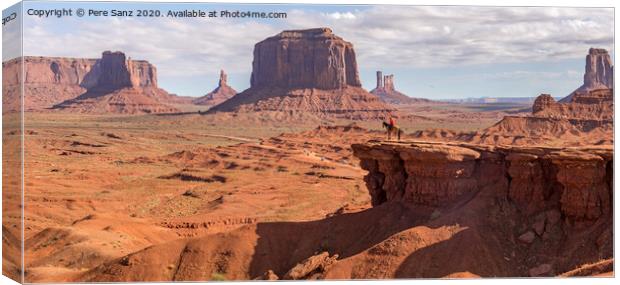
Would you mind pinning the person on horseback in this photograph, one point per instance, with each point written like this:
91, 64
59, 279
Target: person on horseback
392, 128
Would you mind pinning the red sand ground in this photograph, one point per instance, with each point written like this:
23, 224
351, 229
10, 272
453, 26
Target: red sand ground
228, 196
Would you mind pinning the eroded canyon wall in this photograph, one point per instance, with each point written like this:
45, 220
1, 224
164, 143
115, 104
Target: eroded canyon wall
575, 181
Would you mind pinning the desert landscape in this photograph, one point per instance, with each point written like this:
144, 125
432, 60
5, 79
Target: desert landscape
294, 178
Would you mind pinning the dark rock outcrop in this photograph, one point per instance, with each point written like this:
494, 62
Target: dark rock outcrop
220, 94
387, 92
310, 71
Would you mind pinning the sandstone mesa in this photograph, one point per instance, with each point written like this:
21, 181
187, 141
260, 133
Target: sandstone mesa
311, 71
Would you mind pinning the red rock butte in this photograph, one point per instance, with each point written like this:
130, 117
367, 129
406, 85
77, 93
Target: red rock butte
387, 92
220, 94
585, 117
599, 73
310, 71
313, 58
113, 83
121, 85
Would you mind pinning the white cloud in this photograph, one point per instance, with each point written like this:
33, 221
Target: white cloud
339, 15
383, 36
178, 47
428, 36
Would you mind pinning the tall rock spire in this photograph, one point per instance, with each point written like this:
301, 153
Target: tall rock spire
599, 73
379, 79
223, 79
220, 94
386, 91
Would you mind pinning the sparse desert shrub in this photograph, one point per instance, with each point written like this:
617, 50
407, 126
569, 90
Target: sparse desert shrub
218, 277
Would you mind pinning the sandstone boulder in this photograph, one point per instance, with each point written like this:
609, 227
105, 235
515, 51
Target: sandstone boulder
311, 267
269, 276
539, 227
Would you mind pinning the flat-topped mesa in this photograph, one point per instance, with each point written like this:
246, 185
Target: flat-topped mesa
303, 72
52, 80
117, 72
577, 181
599, 73
313, 58
122, 85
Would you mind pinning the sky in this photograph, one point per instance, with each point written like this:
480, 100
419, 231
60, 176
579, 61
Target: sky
435, 52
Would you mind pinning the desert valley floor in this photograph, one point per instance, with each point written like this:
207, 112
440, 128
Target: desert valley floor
295, 177
105, 187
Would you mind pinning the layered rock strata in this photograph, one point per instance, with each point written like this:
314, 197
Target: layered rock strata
592, 105
312, 58
583, 118
310, 71
47, 81
122, 85
576, 181
599, 73
50, 81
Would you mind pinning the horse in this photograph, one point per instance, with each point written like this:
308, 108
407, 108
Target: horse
392, 129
